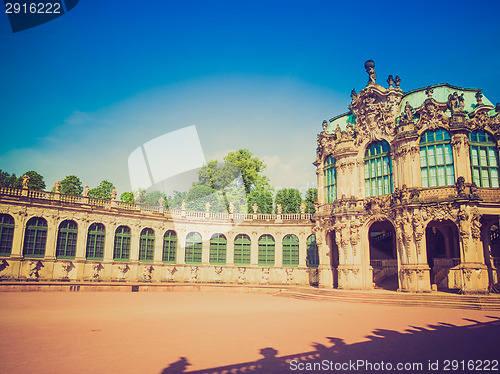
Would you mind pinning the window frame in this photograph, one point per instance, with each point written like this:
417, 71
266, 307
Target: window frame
378, 182
489, 146
65, 235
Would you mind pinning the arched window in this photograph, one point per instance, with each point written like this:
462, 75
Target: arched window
147, 245
266, 250
378, 169
121, 249
35, 237
66, 239
290, 250
95, 241
6, 234
483, 159
312, 252
330, 179
218, 245
170, 247
242, 250
193, 248
436, 159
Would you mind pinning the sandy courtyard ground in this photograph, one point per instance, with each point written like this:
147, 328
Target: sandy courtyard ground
175, 332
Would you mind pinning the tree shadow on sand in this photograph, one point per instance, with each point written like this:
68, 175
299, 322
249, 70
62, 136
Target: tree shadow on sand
427, 350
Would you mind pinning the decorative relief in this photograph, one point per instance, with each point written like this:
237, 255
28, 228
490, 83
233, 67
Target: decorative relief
34, 269
218, 273
95, 275
476, 224
193, 276
432, 115
464, 227
289, 275
265, 276
67, 267
241, 274
171, 270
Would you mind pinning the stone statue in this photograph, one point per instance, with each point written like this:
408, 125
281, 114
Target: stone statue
302, 208
338, 132
453, 102
207, 207
183, 205
57, 187
26, 179
255, 207
138, 197
461, 103
325, 125
460, 186
231, 207
278, 209
390, 81
398, 81
370, 69
86, 191
479, 97
354, 96
161, 202
409, 111
113, 194
429, 91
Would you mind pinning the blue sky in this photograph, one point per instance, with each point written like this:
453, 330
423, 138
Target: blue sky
80, 93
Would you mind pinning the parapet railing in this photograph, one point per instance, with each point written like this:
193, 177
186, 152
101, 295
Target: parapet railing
183, 213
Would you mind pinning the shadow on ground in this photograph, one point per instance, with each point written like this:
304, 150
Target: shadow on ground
441, 348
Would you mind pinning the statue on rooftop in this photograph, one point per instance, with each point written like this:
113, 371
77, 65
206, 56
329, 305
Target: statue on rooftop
370, 69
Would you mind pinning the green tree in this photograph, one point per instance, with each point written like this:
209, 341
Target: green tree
198, 196
7, 180
103, 191
127, 197
311, 198
251, 169
152, 198
175, 201
36, 181
263, 198
71, 185
290, 200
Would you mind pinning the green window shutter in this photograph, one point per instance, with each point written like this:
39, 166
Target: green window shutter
218, 245
290, 250
95, 241
193, 248
170, 247
330, 179
242, 250
35, 238
378, 169
66, 239
484, 160
436, 159
266, 251
121, 249
6, 234
147, 245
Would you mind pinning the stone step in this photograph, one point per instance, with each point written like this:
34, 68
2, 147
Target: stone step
394, 298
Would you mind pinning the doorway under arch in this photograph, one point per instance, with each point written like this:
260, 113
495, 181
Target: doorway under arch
443, 250
383, 255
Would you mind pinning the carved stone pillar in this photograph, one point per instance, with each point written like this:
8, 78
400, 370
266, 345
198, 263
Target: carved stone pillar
461, 158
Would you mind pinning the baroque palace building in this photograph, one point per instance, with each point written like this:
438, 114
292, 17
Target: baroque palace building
408, 187
408, 198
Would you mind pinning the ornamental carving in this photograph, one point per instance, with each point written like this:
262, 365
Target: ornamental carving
432, 115
193, 276
289, 275
441, 212
171, 270
479, 118
375, 109
241, 275
34, 269
476, 224
464, 228
460, 141
95, 275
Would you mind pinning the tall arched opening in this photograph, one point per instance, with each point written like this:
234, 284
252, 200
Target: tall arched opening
383, 255
443, 251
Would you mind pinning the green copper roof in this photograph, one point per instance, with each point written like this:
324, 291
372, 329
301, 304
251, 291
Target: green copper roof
441, 91
342, 120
